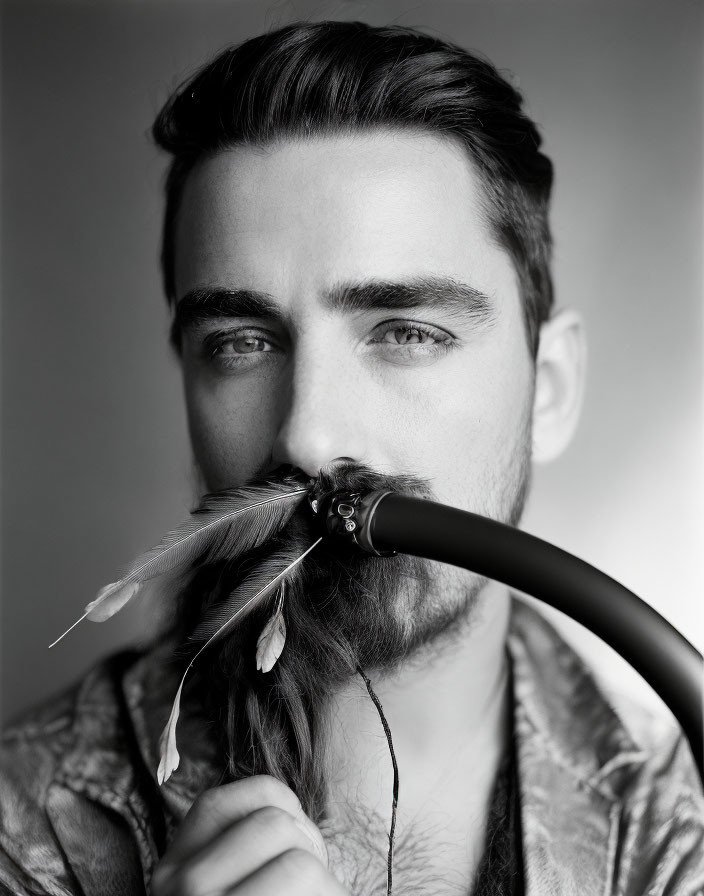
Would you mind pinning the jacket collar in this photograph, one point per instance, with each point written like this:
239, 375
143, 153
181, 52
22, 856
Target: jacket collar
572, 748
120, 710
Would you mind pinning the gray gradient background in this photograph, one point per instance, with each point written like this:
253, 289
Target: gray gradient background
95, 456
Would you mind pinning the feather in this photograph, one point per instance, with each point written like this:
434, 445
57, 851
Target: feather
224, 525
110, 598
169, 755
270, 642
249, 595
220, 527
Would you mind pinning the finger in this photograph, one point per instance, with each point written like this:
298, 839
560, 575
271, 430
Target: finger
235, 854
295, 873
216, 809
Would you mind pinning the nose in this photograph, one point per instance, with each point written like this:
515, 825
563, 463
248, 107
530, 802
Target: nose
322, 421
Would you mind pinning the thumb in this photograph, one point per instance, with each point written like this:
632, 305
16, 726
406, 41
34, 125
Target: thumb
312, 831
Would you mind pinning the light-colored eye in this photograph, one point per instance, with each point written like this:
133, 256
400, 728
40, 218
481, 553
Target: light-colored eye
239, 349
405, 334
244, 344
408, 335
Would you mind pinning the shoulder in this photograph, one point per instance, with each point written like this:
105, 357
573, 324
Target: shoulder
661, 806
629, 769
88, 714
46, 754
29, 754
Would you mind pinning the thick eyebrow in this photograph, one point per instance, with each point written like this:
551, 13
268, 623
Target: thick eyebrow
450, 296
441, 293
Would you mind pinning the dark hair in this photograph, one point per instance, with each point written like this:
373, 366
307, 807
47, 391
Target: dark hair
323, 78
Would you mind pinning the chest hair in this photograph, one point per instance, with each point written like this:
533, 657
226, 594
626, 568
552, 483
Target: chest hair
430, 859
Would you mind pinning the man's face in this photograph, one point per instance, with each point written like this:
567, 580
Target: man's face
344, 298
342, 345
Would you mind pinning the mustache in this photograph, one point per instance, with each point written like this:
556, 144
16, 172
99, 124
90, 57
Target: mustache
354, 477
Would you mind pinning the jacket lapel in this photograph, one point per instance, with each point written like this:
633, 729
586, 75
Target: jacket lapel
565, 733
107, 860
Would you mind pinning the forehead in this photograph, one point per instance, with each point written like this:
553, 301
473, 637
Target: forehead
304, 214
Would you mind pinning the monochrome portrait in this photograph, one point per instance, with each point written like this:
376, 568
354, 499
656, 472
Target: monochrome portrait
282, 283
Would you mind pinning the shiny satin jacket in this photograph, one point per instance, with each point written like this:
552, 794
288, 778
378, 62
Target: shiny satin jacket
610, 804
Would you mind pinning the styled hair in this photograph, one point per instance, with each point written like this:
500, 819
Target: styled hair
320, 79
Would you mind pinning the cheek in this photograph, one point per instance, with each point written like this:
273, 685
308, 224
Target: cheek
231, 430
470, 428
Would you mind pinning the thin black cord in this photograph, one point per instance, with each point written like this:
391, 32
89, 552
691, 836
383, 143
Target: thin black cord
387, 731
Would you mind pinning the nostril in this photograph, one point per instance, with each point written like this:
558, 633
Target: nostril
336, 464
284, 471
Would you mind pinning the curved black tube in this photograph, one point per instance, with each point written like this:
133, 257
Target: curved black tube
668, 662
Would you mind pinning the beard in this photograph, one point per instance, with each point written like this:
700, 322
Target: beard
345, 611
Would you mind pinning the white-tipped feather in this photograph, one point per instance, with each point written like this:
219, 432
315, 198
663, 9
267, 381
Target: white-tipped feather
169, 755
250, 594
244, 599
270, 643
225, 525
212, 529
110, 599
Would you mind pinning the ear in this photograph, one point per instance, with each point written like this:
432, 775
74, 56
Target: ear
559, 384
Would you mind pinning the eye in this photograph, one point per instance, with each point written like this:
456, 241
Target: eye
409, 337
237, 347
243, 344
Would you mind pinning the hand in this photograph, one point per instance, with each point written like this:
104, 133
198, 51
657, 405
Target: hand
247, 838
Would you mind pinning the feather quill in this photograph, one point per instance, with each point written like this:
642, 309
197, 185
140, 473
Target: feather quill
223, 526
249, 595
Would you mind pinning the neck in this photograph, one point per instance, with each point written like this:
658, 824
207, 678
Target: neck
447, 711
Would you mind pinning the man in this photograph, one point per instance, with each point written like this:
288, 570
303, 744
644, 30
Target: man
356, 252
